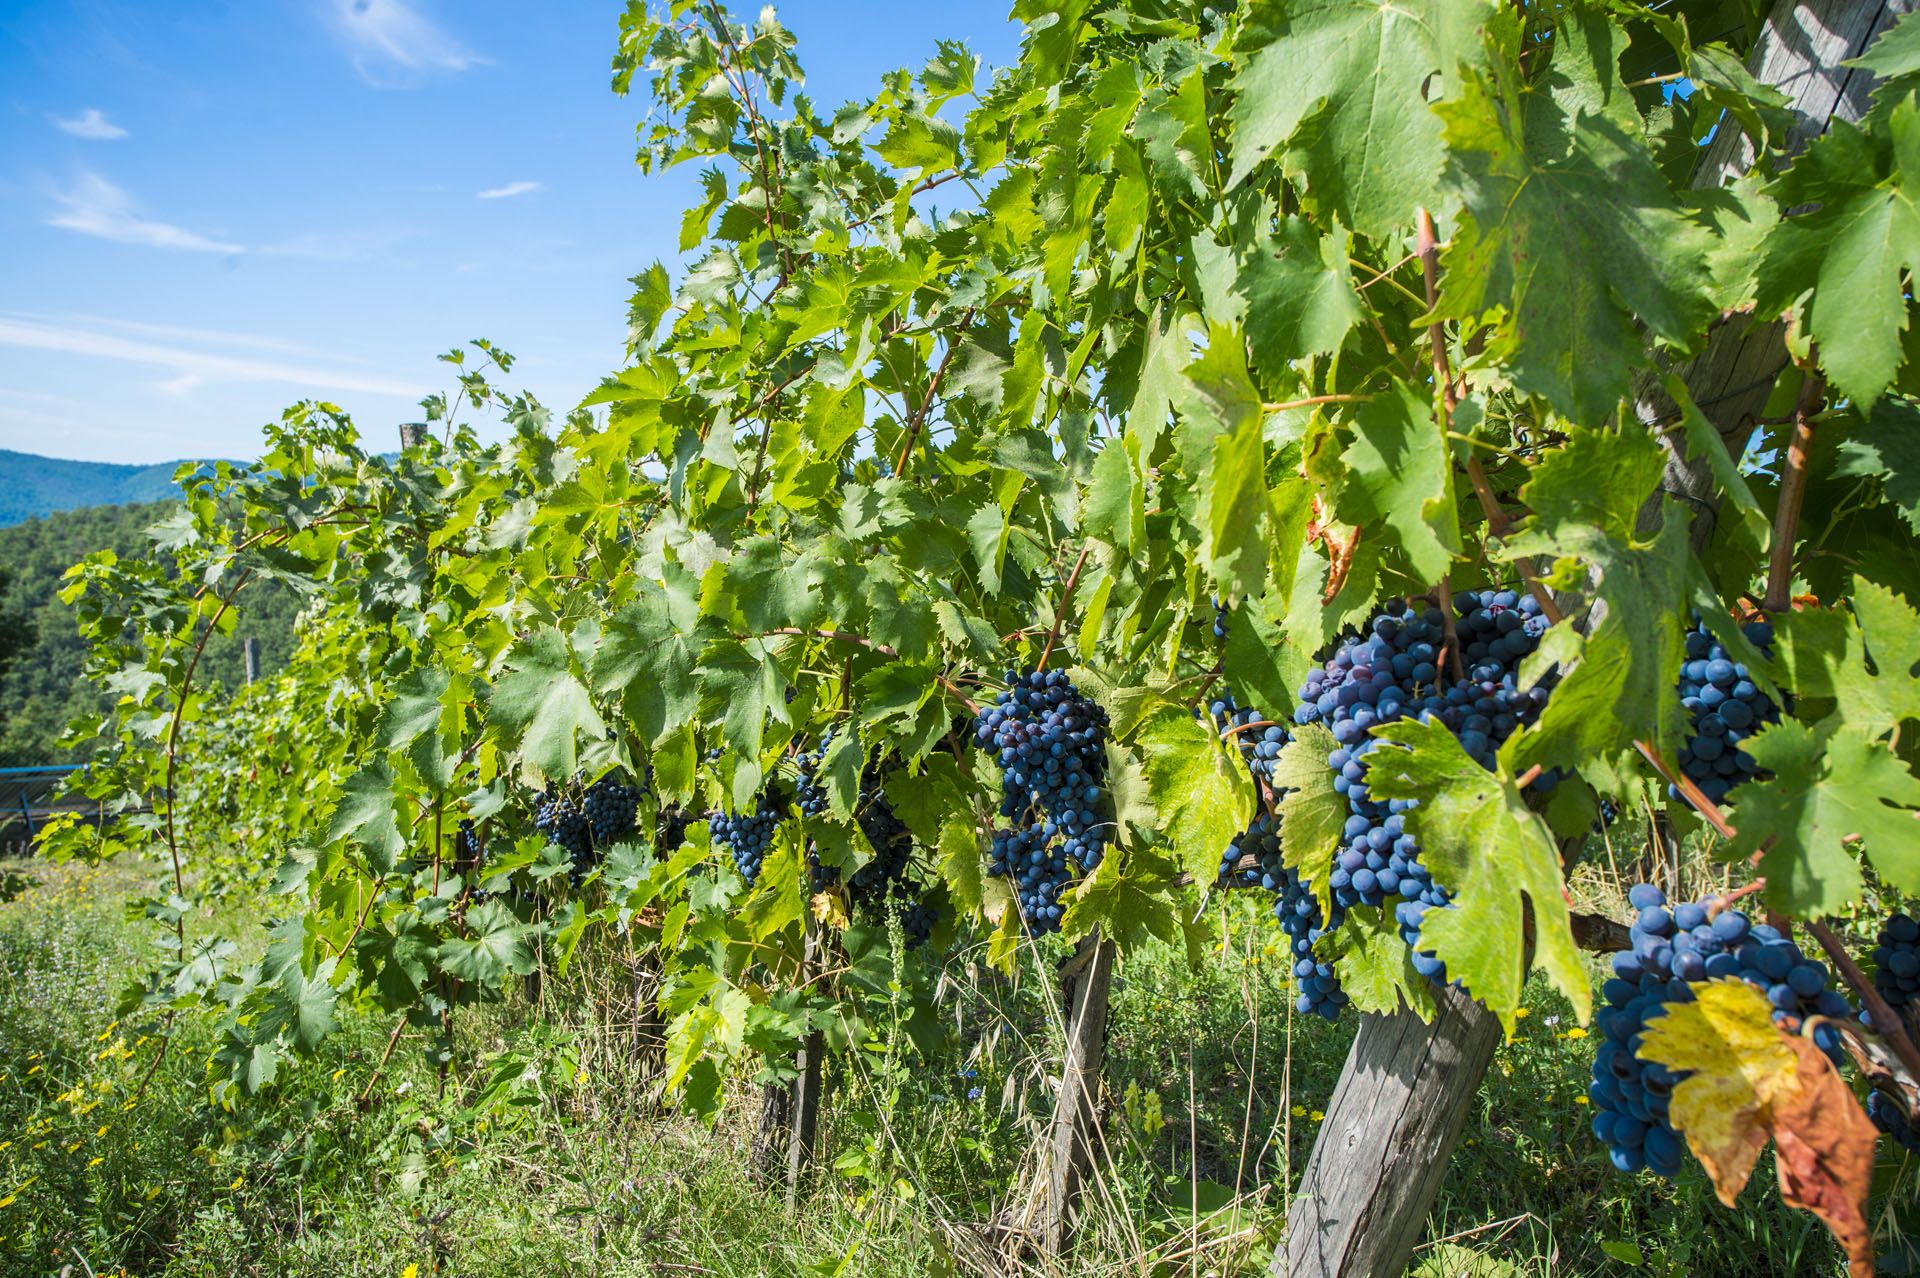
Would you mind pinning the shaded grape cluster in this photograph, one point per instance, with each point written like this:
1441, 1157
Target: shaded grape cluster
882, 884
747, 835
1891, 1119
611, 808
466, 849
1896, 961
1725, 709
1671, 949
560, 817
1896, 976
1259, 739
1397, 668
1221, 614
670, 828
1296, 909
1050, 742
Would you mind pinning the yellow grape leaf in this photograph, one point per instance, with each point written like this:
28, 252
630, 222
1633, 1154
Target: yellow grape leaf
1823, 1144
1740, 1066
831, 910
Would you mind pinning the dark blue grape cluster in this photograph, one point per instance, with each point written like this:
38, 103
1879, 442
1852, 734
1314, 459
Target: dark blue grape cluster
1671, 949
748, 835
917, 917
1221, 613
1725, 708
888, 835
1295, 908
1259, 739
466, 848
1397, 669
671, 828
1887, 1115
1896, 962
611, 809
1896, 975
560, 817
1050, 742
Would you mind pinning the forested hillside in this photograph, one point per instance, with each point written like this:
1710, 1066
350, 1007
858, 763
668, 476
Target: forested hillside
31, 485
42, 689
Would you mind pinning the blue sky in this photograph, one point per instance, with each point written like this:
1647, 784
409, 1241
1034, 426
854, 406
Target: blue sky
209, 210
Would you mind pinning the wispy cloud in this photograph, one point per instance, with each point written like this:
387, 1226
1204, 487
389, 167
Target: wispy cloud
91, 124
191, 367
510, 190
95, 206
388, 37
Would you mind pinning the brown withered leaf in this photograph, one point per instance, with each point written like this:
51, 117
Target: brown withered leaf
1823, 1144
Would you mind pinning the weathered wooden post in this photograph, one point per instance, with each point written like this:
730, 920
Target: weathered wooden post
1397, 1111
1043, 1220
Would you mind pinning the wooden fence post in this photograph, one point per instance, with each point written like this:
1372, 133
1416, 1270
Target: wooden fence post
1383, 1149
808, 1081
1043, 1219
1391, 1125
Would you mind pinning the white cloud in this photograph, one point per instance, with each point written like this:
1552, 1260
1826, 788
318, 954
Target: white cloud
191, 368
95, 206
91, 124
509, 190
387, 36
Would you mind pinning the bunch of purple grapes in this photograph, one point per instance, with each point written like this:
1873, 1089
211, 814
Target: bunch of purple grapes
1050, 742
1395, 670
748, 835
1725, 708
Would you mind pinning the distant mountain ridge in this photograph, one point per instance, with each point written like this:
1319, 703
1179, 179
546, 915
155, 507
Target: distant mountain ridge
31, 485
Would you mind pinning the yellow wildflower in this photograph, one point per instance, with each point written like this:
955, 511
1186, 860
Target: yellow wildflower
1299, 1111
1521, 1013
1575, 1033
96, 1162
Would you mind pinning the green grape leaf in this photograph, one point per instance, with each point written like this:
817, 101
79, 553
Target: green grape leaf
1854, 243
711, 1031
1298, 286
1398, 480
769, 586
411, 722
777, 899
1253, 663
365, 815
1886, 447
1202, 793
1313, 815
1832, 784
542, 708
499, 945
1376, 972
1572, 239
739, 685
1617, 681
1481, 842
1864, 660
1115, 507
1896, 52
1227, 456
1344, 89
1129, 897
959, 865
301, 1006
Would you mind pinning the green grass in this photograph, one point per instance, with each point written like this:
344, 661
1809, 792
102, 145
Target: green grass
1215, 1092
